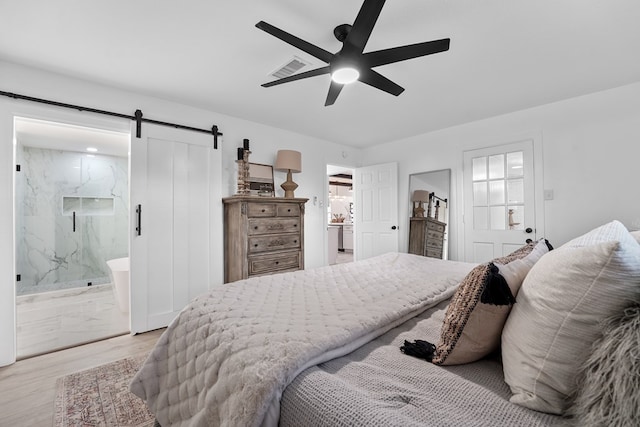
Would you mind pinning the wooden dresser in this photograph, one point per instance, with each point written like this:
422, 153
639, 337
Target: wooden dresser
262, 236
426, 237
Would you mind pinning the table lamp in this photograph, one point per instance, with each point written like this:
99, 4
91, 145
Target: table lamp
291, 162
419, 196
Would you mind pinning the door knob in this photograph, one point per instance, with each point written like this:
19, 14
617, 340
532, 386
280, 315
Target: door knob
528, 241
393, 227
528, 230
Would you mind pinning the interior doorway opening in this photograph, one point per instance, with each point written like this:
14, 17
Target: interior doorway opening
340, 215
71, 201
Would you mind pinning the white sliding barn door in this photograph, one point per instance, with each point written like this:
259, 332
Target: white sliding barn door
176, 238
376, 210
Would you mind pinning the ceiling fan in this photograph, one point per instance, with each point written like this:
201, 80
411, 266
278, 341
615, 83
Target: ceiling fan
350, 64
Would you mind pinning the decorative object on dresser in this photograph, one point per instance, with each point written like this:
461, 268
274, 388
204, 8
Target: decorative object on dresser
243, 168
291, 162
262, 236
261, 180
426, 237
420, 196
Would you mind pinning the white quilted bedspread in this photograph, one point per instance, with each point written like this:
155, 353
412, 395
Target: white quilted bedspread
226, 359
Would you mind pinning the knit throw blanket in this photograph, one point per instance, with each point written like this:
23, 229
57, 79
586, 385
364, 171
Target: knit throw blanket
228, 356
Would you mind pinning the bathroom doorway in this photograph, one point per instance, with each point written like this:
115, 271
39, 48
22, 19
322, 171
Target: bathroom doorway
72, 223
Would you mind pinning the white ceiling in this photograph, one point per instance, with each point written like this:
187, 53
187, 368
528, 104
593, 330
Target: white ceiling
50, 135
504, 56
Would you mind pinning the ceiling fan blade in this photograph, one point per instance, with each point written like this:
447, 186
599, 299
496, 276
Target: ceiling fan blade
362, 26
305, 46
300, 76
379, 81
334, 91
402, 53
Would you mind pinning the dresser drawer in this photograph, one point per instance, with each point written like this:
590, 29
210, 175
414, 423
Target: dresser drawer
257, 210
433, 226
273, 225
434, 253
273, 242
434, 235
288, 209
274, 263
434, 244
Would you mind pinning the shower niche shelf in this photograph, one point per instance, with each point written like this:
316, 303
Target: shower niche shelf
87, 206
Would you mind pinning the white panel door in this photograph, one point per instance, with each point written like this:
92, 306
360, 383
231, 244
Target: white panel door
499, 200
376, 210
176, 238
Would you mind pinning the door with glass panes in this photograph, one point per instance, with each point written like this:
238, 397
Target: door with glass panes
499, 215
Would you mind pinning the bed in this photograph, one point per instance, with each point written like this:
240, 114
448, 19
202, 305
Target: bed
376, 385
322, 347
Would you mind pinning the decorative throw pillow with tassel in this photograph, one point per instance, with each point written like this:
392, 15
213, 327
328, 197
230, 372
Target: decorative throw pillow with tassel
479, 309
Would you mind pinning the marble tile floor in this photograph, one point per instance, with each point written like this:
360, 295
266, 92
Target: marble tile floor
55, 320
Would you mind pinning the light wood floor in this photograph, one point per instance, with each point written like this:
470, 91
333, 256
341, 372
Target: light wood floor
27, 388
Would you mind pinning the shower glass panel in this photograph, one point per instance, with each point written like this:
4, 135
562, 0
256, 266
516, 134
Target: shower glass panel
73, 218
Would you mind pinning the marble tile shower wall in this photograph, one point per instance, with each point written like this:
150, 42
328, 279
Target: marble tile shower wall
52, 184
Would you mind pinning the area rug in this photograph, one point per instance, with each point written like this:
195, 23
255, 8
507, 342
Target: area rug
100, 397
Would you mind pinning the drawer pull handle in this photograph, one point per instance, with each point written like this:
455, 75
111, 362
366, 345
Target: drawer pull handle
255, 246
288, 210
295, 241
295, 225
263, 210
277, 262
255, 228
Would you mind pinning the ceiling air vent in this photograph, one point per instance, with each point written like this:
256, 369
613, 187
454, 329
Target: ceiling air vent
290, 67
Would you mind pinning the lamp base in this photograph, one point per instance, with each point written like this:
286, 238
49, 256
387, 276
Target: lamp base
289, 186
418, 212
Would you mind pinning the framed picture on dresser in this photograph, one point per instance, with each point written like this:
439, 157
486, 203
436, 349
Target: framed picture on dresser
261, 180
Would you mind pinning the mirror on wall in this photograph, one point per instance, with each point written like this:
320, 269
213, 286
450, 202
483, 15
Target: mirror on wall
429, 195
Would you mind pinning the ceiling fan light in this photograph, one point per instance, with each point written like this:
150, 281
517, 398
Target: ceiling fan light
345, 75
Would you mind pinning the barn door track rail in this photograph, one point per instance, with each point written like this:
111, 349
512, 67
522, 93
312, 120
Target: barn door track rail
137, 116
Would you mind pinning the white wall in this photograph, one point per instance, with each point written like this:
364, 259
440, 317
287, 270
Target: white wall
590, 152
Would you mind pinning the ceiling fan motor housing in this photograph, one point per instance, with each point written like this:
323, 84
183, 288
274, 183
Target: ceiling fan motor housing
341, 32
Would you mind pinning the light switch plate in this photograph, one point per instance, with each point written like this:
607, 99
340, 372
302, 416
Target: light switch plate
548, 194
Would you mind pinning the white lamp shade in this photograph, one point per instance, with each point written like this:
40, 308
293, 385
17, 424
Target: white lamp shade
288, 160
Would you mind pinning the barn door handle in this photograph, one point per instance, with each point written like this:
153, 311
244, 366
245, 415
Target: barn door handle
139, 223
74, 221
